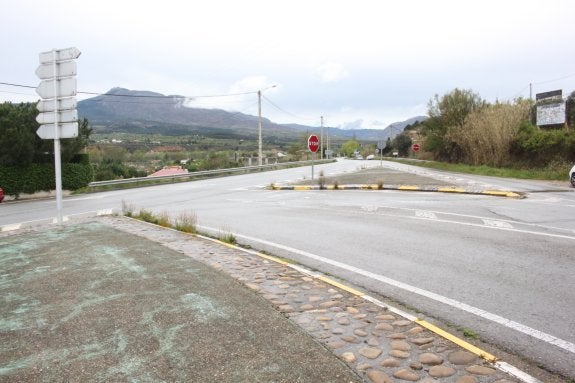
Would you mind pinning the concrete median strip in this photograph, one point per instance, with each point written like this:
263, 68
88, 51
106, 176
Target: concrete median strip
440, 189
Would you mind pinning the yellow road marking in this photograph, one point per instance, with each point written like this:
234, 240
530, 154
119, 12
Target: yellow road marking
408, 187
460, 342
339, 285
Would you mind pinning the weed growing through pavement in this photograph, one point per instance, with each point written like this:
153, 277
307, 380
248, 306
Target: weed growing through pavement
146, 216
468, 333
127, 208
229, 238
321, 180
163, 219
186, 222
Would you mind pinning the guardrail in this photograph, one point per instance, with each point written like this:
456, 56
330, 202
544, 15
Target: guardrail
208, 173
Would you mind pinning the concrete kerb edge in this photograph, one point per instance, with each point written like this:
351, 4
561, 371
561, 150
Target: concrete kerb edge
65, 218
502, 366
439, 189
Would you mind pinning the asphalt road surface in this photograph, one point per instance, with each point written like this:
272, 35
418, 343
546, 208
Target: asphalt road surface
502, 268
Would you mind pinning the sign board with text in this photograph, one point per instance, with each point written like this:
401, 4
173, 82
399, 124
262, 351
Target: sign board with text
313, 143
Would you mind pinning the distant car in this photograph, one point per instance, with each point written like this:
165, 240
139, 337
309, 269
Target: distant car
572, 176
1, 194
370, 157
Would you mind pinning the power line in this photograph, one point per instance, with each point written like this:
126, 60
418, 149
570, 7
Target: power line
556, 79
286, 112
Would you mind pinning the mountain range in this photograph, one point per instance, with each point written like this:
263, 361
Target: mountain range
124, 110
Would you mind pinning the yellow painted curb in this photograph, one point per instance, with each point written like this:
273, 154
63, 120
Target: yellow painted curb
501, 193
451, 190
408, 187
340, 286
460, 342
301, 187
274, 259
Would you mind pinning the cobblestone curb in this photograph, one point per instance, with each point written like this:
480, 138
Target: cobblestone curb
378, 341
439, 189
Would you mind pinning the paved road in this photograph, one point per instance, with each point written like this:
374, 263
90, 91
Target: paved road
508, 260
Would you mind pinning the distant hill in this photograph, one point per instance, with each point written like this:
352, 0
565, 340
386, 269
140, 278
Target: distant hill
124, 110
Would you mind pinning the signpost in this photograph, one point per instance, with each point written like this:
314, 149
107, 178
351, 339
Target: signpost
380, 148
58, 116
313, 146
415, 147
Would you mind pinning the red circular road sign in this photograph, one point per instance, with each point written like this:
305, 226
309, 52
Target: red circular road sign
313, 143
415, 147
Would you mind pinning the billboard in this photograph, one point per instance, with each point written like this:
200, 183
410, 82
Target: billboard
551, 114
550, 108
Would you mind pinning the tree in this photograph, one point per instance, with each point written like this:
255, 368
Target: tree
18, 140
350, 147
570, 110
402, 142
21, 146
448, 114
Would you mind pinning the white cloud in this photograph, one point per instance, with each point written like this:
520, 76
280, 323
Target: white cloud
331, 72
372, 63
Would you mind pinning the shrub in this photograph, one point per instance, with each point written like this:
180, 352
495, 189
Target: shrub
186, 222
16, 180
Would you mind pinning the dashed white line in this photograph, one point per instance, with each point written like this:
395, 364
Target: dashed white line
498, 224
425, 214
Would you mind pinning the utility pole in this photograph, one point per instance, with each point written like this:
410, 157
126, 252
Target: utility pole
260, 155
328, 151
321, 140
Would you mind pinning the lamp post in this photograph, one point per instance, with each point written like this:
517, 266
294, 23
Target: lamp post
260, 153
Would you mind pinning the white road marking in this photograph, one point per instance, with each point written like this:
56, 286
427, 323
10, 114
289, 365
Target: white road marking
498, 224
425, 214
15, 226
565, 345
501, 226
64, 219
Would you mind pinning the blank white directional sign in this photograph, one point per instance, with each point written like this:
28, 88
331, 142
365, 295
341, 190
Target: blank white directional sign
65, 87
63, 116
67, 130
61, 55
63, 69
55, 103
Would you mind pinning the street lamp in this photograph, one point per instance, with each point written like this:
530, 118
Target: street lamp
260, 154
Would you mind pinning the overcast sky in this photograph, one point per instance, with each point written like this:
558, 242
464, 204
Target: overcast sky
358, 63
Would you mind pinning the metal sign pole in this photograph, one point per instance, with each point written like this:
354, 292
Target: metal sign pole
58, 117
57, 154
312, 158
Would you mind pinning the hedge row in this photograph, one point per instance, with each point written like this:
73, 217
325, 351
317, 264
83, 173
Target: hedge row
41, 177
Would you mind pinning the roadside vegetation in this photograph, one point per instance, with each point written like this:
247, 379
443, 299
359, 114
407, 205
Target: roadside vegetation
462, 133
185, 221
554, 172
465, 133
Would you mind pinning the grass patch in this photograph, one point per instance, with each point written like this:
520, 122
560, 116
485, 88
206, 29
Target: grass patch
186, 222
127, 208
468, 333
553, 172
229, 238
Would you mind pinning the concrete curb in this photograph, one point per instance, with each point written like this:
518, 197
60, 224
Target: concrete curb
437, 189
